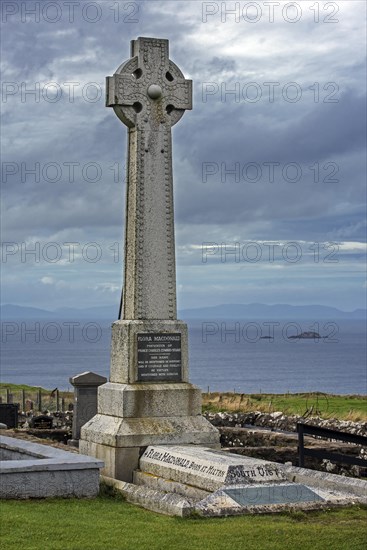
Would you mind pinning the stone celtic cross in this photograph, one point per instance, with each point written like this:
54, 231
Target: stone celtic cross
149, 399
149, 94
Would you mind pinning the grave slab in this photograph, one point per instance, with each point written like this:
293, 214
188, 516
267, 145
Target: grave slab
260, 498
207, 469
183, 471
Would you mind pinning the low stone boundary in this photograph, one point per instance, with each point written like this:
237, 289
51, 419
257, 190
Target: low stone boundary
280, 421
273, 436
31, 470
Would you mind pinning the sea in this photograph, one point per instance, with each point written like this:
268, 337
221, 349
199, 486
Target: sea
229, 355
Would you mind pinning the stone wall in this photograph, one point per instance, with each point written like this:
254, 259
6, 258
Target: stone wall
280, 421
273, 436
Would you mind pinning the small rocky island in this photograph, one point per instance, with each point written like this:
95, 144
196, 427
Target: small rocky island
308, 335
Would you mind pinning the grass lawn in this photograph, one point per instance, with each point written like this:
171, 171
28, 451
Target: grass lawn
347, 407
19, 387
31, 392
111, 523
344, 407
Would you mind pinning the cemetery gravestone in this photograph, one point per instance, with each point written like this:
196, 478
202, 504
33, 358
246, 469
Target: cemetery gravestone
29, 405
85, 398
41, 421
9, 415
149, 399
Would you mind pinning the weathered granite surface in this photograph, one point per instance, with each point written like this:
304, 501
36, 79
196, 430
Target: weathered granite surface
349, 486
165, 503
149, 94
147, 400
85, 398
118, 441
206, 468
171, 480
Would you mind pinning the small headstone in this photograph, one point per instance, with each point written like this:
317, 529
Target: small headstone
85, 398
9, 415
41, 421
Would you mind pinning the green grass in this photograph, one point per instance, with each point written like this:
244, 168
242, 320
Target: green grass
19, 387
31, 392
114, 524
347, 407
343, 407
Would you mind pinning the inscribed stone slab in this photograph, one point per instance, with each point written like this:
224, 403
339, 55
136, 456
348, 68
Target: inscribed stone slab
206, 468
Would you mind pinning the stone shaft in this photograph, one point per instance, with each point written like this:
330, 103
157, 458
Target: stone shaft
149, 94
149, 271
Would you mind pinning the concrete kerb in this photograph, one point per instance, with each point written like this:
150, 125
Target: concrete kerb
32, 470
324, 480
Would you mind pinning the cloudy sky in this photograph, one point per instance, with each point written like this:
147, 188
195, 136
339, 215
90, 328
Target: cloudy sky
269, 167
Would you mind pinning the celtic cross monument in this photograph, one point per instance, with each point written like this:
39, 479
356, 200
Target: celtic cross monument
148, 399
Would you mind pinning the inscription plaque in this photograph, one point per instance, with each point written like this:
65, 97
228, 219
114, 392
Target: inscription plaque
159, 357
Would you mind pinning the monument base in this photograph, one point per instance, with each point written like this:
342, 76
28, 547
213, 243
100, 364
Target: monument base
133, 416
189, 479
149, 400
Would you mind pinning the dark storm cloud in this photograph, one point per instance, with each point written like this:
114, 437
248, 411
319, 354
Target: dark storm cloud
313, 134
299, 132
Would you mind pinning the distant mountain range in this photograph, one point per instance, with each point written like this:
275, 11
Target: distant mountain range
277, 311
223, 311
10, 311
